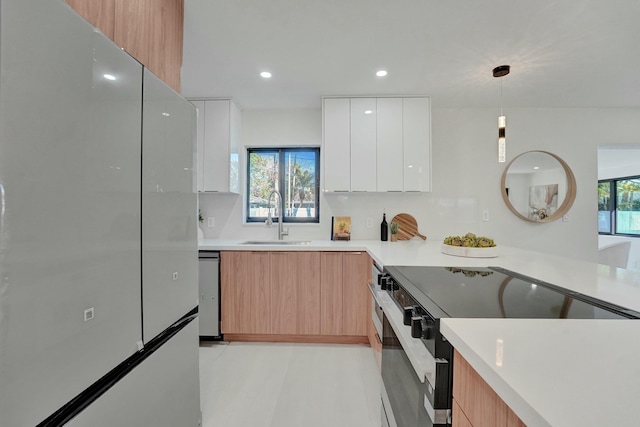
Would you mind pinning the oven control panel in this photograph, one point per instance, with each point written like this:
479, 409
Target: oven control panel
421, 324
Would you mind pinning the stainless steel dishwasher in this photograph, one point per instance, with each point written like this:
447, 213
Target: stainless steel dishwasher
209, 284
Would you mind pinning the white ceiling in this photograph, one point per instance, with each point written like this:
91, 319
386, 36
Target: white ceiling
563, 53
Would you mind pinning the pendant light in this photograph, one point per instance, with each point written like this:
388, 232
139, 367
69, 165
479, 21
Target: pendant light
501, 71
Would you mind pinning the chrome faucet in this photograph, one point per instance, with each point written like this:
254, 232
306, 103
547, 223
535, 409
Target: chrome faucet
281, 231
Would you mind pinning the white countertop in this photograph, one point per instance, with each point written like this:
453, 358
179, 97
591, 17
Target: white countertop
554, 372
618, 286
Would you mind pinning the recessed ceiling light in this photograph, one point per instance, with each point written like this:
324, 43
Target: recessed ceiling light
109, 77
381, 73
265, 75
536, 168
368, 112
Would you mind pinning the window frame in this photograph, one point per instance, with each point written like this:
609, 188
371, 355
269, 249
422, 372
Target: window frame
613, 205
282, 152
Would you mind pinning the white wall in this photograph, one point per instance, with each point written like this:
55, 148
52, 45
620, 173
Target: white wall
466, 177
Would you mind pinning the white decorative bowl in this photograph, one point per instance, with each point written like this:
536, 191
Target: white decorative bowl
469, 252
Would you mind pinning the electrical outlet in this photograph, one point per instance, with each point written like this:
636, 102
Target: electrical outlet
485, 215
565, 218
211, 222
369, 222
89, 314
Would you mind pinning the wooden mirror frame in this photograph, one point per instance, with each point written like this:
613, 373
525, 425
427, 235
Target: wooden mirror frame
569, 198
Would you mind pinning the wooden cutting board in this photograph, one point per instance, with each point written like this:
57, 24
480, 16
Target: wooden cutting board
407, 227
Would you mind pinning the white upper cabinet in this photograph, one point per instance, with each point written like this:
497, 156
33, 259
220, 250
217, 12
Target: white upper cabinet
416, 125
389, 146
218, 142
377, 144
199, 144
363, 144
336, 147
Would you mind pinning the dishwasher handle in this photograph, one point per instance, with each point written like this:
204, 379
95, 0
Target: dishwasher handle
209, 254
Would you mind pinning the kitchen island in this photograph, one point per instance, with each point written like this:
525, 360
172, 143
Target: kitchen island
550, 372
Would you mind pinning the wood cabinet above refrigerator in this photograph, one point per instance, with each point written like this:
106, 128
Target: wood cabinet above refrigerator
149, 30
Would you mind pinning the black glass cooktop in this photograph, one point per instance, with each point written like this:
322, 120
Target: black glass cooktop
497, 293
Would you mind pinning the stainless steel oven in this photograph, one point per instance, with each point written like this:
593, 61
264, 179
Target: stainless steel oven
405, 396
416, 384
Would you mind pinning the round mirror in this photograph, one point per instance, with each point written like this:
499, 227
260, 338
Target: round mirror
538, 186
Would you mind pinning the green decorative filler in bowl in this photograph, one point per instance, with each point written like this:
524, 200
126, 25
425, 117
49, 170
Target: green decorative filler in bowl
470, 246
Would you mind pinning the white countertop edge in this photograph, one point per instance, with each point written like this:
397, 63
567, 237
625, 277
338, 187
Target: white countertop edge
519, 405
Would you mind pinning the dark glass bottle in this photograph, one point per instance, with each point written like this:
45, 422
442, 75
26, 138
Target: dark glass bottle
384, 229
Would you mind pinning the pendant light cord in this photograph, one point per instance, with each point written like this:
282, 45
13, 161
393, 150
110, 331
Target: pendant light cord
501, 97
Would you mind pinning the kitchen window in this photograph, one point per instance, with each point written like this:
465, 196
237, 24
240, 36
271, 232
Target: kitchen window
619, 206
294, 173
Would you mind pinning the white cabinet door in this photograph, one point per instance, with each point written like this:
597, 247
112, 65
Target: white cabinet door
336, 149
199, 144
216, 145
389, 145
416, 124
363, 144
235, 123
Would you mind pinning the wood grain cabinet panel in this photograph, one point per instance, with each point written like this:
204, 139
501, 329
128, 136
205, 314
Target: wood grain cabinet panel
100, 13
356, 306
296, 296
331, 293
477, 401
295, 293
149, 30
245, 292
132, 30
165, 47
458, 418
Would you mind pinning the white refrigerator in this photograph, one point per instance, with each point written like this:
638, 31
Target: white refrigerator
98, 243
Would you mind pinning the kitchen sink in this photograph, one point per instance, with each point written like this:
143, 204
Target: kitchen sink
276, 242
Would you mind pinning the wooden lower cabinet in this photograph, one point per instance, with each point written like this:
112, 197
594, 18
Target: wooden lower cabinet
459, 419
356, 305
295, 293
295, 296
344, 296
475, 402
245, 292
331, 293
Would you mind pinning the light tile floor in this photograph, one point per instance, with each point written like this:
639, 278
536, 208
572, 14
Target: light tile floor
288, 385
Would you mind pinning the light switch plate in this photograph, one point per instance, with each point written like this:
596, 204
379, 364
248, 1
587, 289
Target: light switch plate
211, 222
